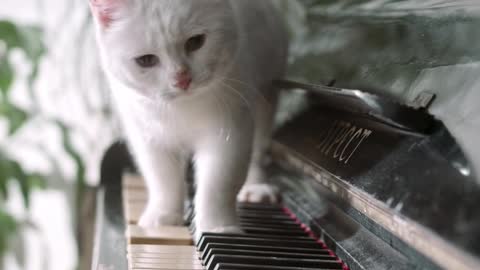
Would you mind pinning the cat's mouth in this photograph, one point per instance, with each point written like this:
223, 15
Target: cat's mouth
194, 89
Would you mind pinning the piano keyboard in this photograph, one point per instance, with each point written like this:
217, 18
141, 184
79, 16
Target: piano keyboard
273, 239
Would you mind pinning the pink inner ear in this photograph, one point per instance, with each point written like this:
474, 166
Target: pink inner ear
104, 9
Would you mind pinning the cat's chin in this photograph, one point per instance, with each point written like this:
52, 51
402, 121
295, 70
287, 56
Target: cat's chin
186, 95
174, 97
165, 97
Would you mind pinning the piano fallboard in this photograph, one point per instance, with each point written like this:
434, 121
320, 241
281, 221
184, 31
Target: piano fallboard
418, 189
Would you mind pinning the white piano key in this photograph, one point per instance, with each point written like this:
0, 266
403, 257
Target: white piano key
161, 260
163, 256
158, 249
133, 211
188, 266
134, 195
133, 181
166, 235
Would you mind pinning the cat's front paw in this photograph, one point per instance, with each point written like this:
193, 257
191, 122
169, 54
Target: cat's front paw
259, 193
155, 219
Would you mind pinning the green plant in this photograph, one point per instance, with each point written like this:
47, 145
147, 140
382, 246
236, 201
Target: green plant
28, 40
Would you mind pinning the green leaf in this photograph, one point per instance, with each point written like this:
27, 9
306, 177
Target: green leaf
5, 176
16, 117
31, 42
22, 179
12, 170
80, 173
3, 188
6, 75
9, 34
27, 38
37, 181
8, 227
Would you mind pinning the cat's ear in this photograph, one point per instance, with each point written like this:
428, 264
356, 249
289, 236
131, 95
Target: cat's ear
104, 11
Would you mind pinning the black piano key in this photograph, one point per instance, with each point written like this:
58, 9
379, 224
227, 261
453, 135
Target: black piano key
265, 216
263, 207
262, 210
268, 221
270, 217
256, 241
261, 213
272, 261
256, 236
258, 231
232, 266
259, 206
256, 253
317, 251
291, 227
277, 211
270, 231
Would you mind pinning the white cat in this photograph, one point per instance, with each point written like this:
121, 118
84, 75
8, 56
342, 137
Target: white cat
191, 79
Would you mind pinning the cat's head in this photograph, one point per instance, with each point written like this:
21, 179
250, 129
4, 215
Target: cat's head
165, 48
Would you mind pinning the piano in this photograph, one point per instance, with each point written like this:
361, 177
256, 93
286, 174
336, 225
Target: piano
367, 183
370, 179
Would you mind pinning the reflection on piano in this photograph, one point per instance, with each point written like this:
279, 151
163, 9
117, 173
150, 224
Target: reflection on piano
367, 184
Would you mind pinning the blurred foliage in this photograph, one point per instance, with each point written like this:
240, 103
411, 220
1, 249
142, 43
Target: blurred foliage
8, 227
77, 159
29, 41
12, 171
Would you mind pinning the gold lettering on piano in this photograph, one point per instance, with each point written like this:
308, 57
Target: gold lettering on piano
342, 140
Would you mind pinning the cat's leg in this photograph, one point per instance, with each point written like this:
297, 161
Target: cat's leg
221, 170
164, 173
256, 188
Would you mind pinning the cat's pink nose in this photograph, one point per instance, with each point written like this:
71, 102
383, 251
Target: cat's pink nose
183, 79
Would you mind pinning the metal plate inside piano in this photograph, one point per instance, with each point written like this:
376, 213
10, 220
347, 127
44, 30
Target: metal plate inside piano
412, 117
271, 240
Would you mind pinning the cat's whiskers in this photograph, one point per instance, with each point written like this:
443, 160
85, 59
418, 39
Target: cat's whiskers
252, 89
237, 93
242, 97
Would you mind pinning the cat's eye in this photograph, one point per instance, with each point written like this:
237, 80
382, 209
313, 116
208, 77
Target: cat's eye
195, 43
147, 61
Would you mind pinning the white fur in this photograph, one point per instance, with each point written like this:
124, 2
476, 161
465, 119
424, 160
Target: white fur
226, 113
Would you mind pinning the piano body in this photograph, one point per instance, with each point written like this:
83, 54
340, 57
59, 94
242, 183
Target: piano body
370, 179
